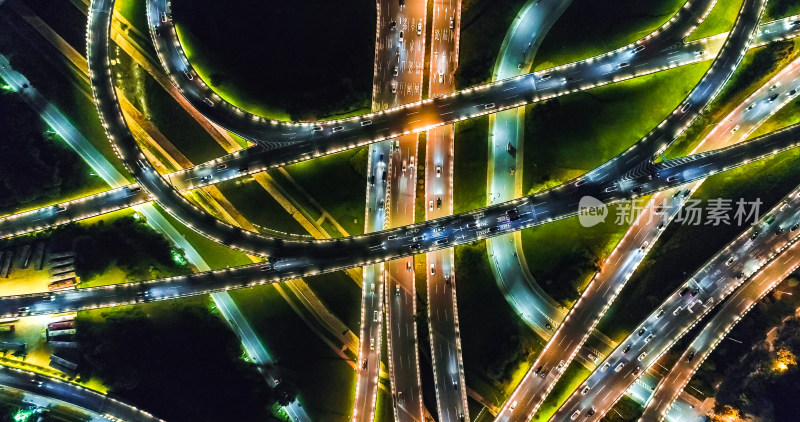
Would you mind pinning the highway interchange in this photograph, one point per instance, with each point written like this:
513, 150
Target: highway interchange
631, 174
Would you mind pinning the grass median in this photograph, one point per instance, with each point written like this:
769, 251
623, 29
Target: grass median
325, 381
286, 59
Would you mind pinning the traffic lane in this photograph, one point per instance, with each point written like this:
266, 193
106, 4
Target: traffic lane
370, 346
710, 285
340, 254
644, 234
730, 313
65, 212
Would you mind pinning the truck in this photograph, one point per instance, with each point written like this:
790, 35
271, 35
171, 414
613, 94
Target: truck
62, 325
62, 284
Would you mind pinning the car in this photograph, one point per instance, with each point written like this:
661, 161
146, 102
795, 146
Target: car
440, 242
414, 246
623, 64
735, 128
650, 337
546, 76
626, 349
433, 269
575, 415
364, 363
452, 23
694, 292
208, 102
393, 25
639, 48
774, 87
315, 129
372, 180
513, 405
644, 245
455, 385
372, 344
642, 356
660, 314
24, 309
672, 179
641, 332
372, 288
188, 75
686, 107
438, 202
164, 17
375, 316
206, 178
792, 92
438, 171
60, 208
394, 87
338, 128
585, 390
383, 202
777, 231
438, 229
580, 182
590, 412
684, 291
772, 98
730, 260
135, 189
750, 107
221, 167
397, 290
402, 3
430, 205
488, 106
754, 235
619, 367
560, 366
606, 366
690, 356
677, 310
366, 122
739, 275
267, 267
401, 36
395, 71
408, 265
538, 370
794, 227
611, 188
637, 370
392, 237
419, 28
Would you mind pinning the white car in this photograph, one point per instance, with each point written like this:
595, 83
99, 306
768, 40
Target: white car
438, 171
735, 128
419, 28
430, 205
513, 405
575, 415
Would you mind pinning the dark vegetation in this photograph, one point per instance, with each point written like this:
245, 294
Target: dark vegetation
751, 382
184, 365
35, 166
125, 243
311, 58
484, 24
